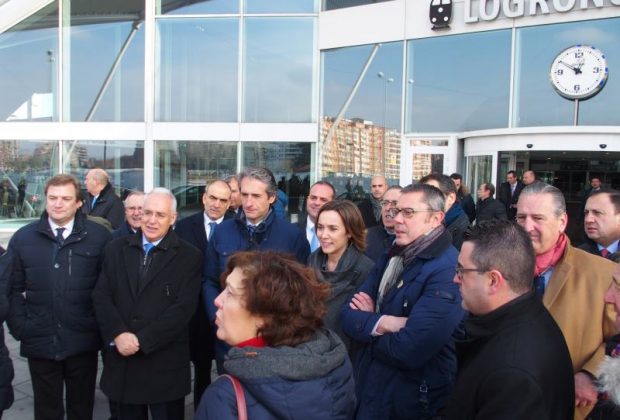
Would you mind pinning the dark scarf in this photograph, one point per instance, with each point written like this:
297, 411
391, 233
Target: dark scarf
455, 211
401, 257
376, 207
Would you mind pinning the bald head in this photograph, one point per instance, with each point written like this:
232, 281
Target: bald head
378, 186
529, 177
96, 180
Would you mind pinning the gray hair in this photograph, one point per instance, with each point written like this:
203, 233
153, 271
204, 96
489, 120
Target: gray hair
133, 194
164, 191
263, 175
537, 188
99, 175
432, 195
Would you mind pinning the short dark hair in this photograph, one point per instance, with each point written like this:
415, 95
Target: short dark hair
614, 196
504, 246
446, 185
284, 293
432, 195
511, 172
456, 176
327, 184
489, 187
64, 179
351, 219
595, 177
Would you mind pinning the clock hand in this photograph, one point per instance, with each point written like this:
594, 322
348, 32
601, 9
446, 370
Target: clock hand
573, 68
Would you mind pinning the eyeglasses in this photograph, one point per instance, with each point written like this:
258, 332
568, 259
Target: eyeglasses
461, 270
407, 212
385, 203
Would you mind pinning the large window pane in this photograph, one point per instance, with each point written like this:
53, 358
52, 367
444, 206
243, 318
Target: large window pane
536, 102
280, 6
339, 4
279, 58
479, 170
29, 68
458, 83
104, 67
122, 160
367, 138
290, 163
25, 166
185, 167
189, 7
197, 77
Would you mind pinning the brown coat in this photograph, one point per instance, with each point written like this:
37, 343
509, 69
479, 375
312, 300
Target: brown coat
574, 297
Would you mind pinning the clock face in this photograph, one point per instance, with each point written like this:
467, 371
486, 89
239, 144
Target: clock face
579, 72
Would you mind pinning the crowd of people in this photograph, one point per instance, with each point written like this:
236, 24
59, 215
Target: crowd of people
414, 303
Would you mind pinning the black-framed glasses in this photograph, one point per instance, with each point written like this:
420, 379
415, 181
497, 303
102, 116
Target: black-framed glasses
407, 212
385, 203
461, 270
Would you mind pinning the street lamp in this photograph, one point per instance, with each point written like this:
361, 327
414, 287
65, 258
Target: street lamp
386, 81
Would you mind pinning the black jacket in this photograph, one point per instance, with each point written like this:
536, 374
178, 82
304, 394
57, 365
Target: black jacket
108, 206
508, 199
378, 240
467, 202
368, 213
124, 230
590, 246
201, 333
51, 307
6, 365
513, 365
490, 209
155, 305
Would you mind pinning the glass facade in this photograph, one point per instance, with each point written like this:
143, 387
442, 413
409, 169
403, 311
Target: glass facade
29, 68
339, 4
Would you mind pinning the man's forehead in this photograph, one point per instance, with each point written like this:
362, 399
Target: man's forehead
321, 190
391, 195
158, 202
219, 190
254, 187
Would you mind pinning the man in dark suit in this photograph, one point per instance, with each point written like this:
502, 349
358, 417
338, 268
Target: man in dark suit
488, 207
133, 215
101, 200
197, 229
509, 194
602, 224
371, 206
144, 299
381, 237
321, 192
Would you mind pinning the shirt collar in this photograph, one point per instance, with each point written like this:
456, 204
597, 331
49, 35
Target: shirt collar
145, 241
68, 227
611, 248
208, 220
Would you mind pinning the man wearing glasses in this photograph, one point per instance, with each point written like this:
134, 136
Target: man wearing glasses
381, 237
405, 314
504, 371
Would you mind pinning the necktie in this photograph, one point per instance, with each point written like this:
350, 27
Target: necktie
147, 248
251, 230
315, 241
604, 253
92, 205
539, 285
212, 226
59, 238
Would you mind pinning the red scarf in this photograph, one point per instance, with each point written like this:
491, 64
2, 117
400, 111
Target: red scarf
550, 258
253, 342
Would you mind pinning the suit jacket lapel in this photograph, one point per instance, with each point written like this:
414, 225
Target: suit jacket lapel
161, 259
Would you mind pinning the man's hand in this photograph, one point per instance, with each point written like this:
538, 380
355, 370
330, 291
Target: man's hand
585, 391
362, 302
127, 344
391, 324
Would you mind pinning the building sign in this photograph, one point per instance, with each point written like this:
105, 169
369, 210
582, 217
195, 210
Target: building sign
487, 10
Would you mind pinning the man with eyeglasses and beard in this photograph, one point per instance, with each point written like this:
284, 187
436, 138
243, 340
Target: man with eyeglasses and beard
405, 314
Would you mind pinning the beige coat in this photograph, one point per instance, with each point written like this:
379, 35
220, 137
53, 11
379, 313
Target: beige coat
575, 299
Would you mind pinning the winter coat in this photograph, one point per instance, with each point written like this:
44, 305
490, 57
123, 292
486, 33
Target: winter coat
488, 209
408, 374
6, 365
155, 305
107, 205
123, 230
312, 380
378, 241
352, 270
456, 222
514, 364
51, 309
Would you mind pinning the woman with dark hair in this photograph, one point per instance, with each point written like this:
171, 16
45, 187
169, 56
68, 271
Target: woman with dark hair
340, 260
271, 312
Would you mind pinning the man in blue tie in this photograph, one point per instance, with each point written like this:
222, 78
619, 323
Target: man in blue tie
145, 297
256, 229
56, 262
321, 192
198, 229
101, 200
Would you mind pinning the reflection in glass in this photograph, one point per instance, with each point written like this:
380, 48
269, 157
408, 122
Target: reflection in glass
536, 103
280, 6
367, 138
197, 77
458, 83
189, 7
185, 167
290, 164
278, 78
122, 160
479, 171
104, 67
339, 4
426, 163
29, 68
25, 166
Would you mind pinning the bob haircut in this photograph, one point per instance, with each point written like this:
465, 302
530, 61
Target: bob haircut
351, 218
284, 293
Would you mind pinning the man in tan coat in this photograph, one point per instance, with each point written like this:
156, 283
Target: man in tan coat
572, 284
